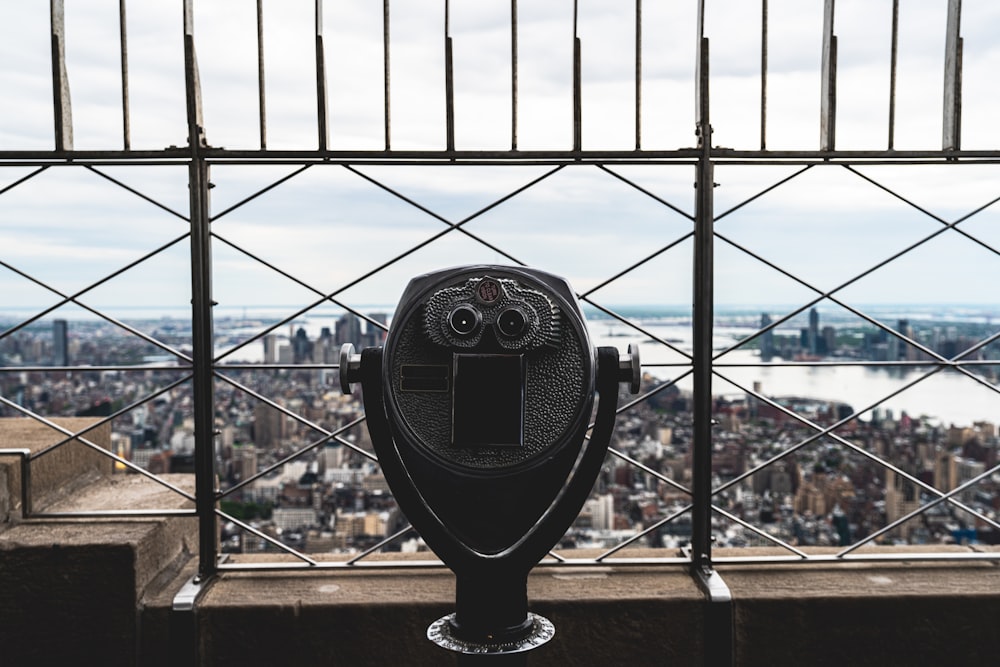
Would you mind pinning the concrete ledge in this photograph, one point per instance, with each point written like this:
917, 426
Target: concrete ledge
70, 590
604, 614
101, 592
57, 473
866, 613
915, 613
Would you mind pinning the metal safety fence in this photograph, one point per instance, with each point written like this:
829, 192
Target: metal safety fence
335, 223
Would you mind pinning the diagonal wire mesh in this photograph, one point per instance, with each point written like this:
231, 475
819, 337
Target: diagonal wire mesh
661, 497
937, 361
67, 437
312, 446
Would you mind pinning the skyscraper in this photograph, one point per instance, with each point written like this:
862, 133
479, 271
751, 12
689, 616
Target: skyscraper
60, 343
904, 349
302, 347
348, 329
766, 338
828, 340
324, 351
270, 349
374, 335
813, 337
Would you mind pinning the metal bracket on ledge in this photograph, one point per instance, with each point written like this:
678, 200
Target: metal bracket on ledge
183, 626
720, 643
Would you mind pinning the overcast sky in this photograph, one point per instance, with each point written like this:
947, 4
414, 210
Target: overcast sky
69, 226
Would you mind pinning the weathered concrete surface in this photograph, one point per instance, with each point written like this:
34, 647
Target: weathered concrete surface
603, 616
128, 492
858, 613
867, 613
70, 591
57, 473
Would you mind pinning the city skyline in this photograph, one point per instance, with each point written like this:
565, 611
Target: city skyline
849, 360
334, 499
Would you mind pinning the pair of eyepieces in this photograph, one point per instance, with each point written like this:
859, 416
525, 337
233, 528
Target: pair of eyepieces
465, 321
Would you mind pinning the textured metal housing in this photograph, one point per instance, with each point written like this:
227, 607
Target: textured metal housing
558, 365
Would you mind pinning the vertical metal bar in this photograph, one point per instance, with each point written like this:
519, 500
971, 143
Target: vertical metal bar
261, 95
701, 78
321, 107
385, 69
951, 132
638, 75
702, 320
763, 75
513, 75
192, 84
203, 382
61, 109
123, 42
577, 95
449, 82
201, 310
719, 635
893, 60
958, 95
828, 84
26, 508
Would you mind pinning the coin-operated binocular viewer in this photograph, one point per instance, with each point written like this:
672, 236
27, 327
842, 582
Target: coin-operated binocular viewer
478, 406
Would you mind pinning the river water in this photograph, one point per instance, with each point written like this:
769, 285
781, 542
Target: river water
946, 397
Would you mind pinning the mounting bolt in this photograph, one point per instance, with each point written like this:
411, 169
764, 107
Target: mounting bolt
629, 369
350, 368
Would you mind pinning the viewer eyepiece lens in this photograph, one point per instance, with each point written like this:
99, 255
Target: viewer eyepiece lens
512, 322
464, 320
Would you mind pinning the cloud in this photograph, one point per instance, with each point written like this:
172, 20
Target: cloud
329, 225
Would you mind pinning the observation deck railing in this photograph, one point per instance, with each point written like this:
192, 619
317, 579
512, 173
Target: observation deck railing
681, 248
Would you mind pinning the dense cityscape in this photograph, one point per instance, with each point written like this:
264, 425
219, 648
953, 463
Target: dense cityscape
818, 489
